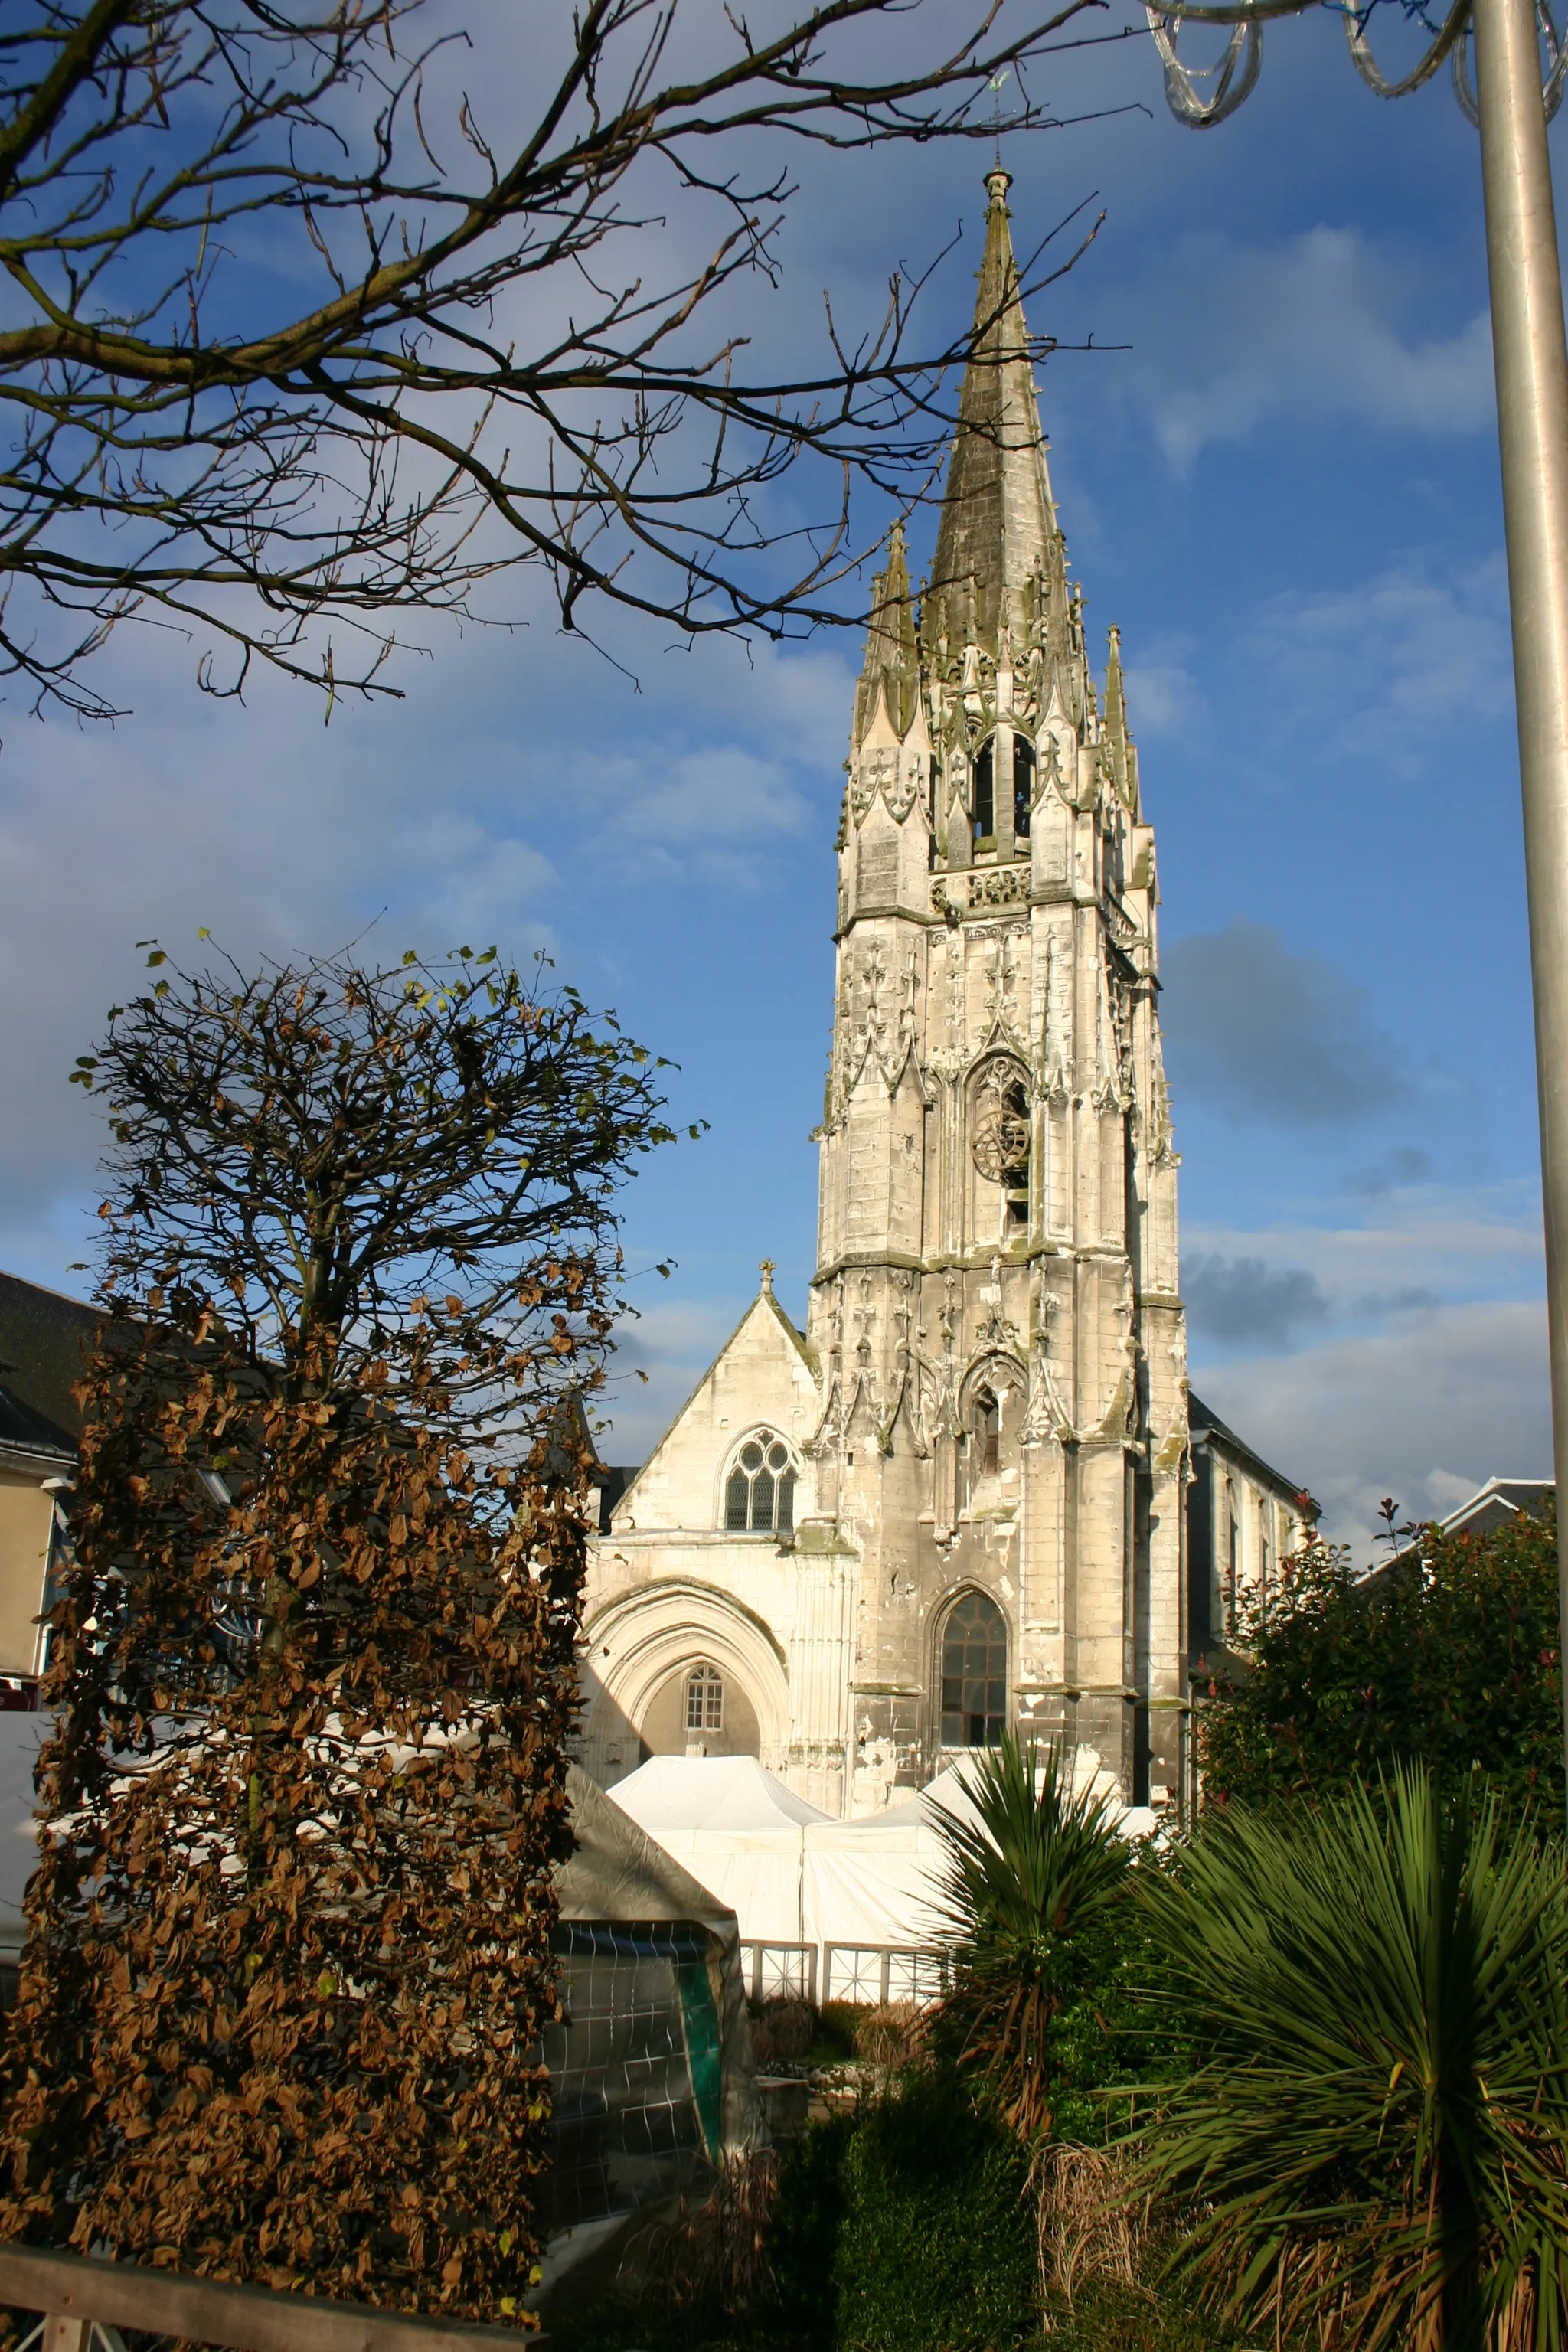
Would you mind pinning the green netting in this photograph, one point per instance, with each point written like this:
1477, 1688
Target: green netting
704, 2048
635, 2067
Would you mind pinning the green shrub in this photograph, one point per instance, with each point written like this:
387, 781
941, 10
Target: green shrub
1109, 2318
1035, 1890
1449, 1660
1366, 2110
803, 2238
936, 2243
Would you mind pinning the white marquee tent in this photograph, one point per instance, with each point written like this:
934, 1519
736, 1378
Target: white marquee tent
795, 1876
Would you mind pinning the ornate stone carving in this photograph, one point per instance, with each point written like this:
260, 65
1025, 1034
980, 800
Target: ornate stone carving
999, 1136
902, 789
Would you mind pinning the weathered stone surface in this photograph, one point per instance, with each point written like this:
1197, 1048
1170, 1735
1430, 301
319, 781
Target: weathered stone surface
991, 1397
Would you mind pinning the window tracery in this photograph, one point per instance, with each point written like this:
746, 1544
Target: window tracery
759, 1492
974, 1674
1001, 1134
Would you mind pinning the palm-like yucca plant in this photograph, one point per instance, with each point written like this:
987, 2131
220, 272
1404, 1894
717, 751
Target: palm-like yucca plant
1027, 1892
1368, 2108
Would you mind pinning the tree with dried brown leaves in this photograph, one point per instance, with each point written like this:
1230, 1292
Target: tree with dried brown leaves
290, 1938
328, 310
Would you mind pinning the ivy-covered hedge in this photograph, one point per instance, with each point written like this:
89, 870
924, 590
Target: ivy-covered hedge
909, 2231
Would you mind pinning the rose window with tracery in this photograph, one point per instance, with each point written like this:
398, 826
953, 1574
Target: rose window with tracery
1000, 1137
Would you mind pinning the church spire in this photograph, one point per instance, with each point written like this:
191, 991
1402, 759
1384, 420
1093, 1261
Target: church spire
891, 671
998, 517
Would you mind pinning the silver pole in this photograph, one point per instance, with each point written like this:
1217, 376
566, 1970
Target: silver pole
1531, 363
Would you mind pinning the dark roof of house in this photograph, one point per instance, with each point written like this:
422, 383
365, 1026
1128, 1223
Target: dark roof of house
1500, 1500
611, 1480
43, 1335
1204, 1423
1491, 1506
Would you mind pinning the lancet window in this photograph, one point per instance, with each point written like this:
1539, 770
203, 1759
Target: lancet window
759, 1492
985, 794
1023, 785
974, 1674
987, 1431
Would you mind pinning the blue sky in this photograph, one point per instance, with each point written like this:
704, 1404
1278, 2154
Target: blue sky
1284, 490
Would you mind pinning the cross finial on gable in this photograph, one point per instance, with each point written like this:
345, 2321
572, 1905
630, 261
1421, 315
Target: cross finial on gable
767, 1270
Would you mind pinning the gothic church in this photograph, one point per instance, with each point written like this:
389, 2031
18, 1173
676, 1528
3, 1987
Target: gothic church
976, 1488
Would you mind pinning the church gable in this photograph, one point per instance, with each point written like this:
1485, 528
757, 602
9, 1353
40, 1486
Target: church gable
760, 1382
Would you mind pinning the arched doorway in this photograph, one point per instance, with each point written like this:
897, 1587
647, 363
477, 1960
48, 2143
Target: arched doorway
701, 1709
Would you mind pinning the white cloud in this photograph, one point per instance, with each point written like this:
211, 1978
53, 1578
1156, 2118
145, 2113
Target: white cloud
1452, 1242
522, 780
672, 1342
1388, 668
1163, 696
1426, 1371
1312, 330
1426, 1412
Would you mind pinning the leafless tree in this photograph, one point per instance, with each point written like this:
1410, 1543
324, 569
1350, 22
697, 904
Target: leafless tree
318, 314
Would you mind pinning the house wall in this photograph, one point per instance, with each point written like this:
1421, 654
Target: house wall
26, 1519
1232, 1490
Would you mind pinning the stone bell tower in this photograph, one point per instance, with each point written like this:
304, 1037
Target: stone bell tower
1004, 1444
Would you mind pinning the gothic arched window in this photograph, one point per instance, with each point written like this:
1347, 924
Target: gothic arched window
705, 1699
985, 792
759, 1492
1023, 785
999, 1142
987, 1431
974, 1674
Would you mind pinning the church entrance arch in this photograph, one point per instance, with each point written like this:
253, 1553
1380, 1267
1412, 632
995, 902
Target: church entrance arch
677, 1647
701, 1710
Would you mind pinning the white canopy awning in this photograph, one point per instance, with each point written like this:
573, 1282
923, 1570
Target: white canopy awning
794, 1876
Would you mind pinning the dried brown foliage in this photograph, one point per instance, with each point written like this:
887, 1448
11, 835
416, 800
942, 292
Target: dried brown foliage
892, 2037
783, 2033
289, 1939
713, 2254
1091, 2221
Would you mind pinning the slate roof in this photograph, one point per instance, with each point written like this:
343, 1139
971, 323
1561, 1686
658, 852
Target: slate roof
42, 1336
1202, 1422
1500, 1500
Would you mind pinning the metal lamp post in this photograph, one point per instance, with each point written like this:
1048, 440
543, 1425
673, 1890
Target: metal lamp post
1511, 106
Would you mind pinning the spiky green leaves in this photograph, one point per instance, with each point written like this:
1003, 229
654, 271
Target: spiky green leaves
1029, 1891
1365, 2109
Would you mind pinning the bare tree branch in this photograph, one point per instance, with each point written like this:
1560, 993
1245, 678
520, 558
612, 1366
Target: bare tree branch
489, 381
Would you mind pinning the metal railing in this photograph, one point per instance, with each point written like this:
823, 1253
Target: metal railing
77, 2296
879, 1973
779, 1971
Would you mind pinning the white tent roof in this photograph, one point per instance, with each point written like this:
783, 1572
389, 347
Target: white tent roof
792, 1874
709, 1792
